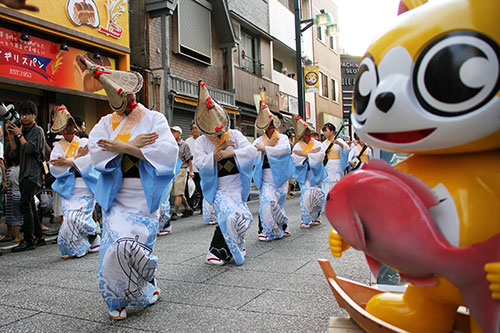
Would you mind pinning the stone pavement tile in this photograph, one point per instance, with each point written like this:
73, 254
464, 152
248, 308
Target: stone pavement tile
64, 301
49, 257
170, 317
45, 322
195, 270
12, 289
202, 294
273, 264
9, 315
323, 305
172, 256
272, 281
63, 278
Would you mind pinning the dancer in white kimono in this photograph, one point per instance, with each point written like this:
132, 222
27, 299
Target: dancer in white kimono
135, 154
308, 155
224, 159
273, 167
76, 179
337, 152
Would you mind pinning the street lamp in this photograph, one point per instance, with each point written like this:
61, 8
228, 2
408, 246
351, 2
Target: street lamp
321, 19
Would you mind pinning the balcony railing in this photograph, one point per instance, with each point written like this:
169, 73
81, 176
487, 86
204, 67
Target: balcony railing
189, 88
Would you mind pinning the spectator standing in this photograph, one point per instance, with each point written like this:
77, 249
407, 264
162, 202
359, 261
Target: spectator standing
181, 178
190, 141
82, 133
28, 144
209, 215
13, 216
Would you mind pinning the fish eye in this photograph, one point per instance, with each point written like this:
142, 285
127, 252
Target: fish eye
457, 74
366, 82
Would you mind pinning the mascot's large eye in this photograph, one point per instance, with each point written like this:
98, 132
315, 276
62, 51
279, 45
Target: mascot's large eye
457, 74
366, 82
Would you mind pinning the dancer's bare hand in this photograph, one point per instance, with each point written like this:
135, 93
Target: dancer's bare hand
260, 147
60, 161
82, 151
226, 144
300, 153
115, 146
222, 154
273, 142
144, 139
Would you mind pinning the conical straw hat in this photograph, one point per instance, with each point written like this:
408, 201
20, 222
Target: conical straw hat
265, 117
117, 84
300, 126
61, 119
210, 117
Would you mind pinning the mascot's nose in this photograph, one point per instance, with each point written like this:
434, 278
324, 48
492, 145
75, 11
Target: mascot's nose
384, 101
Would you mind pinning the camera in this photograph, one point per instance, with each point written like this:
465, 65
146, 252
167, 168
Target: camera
10, 114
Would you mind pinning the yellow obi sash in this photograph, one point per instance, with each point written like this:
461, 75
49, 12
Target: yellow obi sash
133, 119
306, 148
265, 139
334, 155
70, 149
216, 141
364, 158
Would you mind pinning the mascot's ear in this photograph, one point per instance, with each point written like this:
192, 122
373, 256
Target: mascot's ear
406, 5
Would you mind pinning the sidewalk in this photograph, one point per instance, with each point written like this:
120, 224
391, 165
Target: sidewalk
280, 288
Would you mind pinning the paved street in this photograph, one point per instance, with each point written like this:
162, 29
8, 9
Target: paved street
280, 287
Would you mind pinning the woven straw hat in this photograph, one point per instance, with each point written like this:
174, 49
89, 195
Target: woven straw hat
210, 117
265, 117
117, 84
300, 126
61, 119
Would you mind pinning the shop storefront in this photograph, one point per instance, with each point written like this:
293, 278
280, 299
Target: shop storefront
39, 54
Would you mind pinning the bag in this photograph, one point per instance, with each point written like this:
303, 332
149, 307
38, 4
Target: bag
191, 186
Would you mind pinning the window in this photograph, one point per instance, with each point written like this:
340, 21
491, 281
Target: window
321, 34
333, 43
194, 39
277, 65
324, 85
335, 90
248, 53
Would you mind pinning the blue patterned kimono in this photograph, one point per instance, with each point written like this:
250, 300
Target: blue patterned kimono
228, 194
310, 173
272, 183
130, 206
77, 198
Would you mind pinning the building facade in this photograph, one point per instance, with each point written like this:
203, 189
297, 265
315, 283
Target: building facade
282, 23
39, 54
327, 56
179, 43
349, 71
253, 62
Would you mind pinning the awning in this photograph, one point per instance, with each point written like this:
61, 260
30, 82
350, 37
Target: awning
194, 102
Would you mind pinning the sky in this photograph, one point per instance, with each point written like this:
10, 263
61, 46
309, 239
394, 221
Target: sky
361, 21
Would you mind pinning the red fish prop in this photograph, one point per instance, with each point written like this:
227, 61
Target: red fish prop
385, 214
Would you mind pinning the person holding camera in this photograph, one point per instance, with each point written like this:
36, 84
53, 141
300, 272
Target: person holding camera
28, 142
